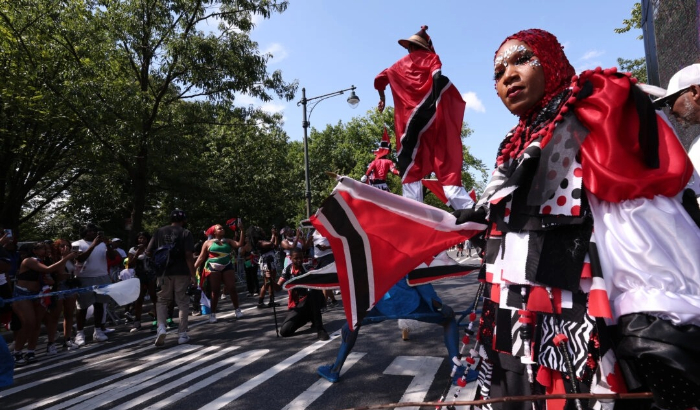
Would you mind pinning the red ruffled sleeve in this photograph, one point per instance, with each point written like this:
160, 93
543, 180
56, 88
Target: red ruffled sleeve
611, 157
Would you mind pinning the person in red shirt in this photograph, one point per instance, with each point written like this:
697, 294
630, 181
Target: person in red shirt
378, 169
304, 305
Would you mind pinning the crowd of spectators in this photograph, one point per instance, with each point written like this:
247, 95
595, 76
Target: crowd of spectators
192, 281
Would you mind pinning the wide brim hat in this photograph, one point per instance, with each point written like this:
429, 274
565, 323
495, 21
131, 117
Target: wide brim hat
416, 40
680, 81
420, 39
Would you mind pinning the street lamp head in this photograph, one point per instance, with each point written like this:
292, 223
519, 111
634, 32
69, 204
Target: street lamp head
353, 100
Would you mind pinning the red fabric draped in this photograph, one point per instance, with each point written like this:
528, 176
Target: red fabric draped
611, 158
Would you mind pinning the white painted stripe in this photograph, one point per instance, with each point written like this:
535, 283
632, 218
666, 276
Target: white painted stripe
74, 369
303, 400
237, 362
266, 375
147, 379
423, 368
160, 356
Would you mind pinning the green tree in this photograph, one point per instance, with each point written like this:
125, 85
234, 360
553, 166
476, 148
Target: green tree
45, 148
636, 66
144, 60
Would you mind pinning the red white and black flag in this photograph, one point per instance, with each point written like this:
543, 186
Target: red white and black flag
378, 237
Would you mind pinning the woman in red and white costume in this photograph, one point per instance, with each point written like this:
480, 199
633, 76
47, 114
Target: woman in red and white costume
592, 247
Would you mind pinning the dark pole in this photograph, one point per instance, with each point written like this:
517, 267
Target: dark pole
305, 124
353, 100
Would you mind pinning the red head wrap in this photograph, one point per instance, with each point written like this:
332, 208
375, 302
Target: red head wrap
557, 69
558, 74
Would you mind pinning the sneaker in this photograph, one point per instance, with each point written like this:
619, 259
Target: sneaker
212, 318
197, 312
322, 334
261, 305
107, 330
154, 326
135, 328
51, 349
404, 334
70, 345
328, 374
30, 357
238, 314
19, 359
183, 339
99, 336
80, 338
160, 336
170, 324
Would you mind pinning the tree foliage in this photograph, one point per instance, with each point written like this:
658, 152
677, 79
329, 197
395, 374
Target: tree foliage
636, 66
118, 111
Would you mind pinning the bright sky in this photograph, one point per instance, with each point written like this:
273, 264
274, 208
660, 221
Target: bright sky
332, 45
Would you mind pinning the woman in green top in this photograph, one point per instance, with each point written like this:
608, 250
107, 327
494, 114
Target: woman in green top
217, 256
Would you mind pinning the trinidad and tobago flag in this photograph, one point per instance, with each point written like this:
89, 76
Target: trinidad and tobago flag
378, 237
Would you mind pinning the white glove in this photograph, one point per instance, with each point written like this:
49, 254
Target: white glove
364, 178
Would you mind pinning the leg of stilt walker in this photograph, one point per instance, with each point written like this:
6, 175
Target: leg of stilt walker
331, 372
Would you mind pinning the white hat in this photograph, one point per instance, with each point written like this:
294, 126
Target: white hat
680, 81
116, 240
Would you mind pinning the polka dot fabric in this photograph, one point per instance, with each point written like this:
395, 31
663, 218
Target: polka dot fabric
566, 199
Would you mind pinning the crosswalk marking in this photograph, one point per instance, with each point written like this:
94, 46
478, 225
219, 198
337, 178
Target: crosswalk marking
147, 379
266, 375
161, 355
423, 368
237, 363
303, 400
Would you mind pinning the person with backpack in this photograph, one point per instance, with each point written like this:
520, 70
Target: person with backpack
171, 250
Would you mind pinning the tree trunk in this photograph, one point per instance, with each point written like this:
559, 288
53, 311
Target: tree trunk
140, 184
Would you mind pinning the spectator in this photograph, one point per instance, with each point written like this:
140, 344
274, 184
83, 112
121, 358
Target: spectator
304, 305
177, 275
139, 262
117, 246
5, 267
266, 258
217, 258
33, 275
460, 249
291, 239
250, 264
64, 279
91, 269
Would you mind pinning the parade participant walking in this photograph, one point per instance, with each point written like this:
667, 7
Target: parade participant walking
579, 209
176, 275
428, 114
217, 257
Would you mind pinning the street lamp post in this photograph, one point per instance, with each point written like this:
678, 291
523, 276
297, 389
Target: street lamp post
353, 100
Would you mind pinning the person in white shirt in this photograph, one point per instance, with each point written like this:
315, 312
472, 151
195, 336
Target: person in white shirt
91, 270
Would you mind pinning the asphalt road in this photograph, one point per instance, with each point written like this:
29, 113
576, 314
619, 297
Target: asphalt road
242, 364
